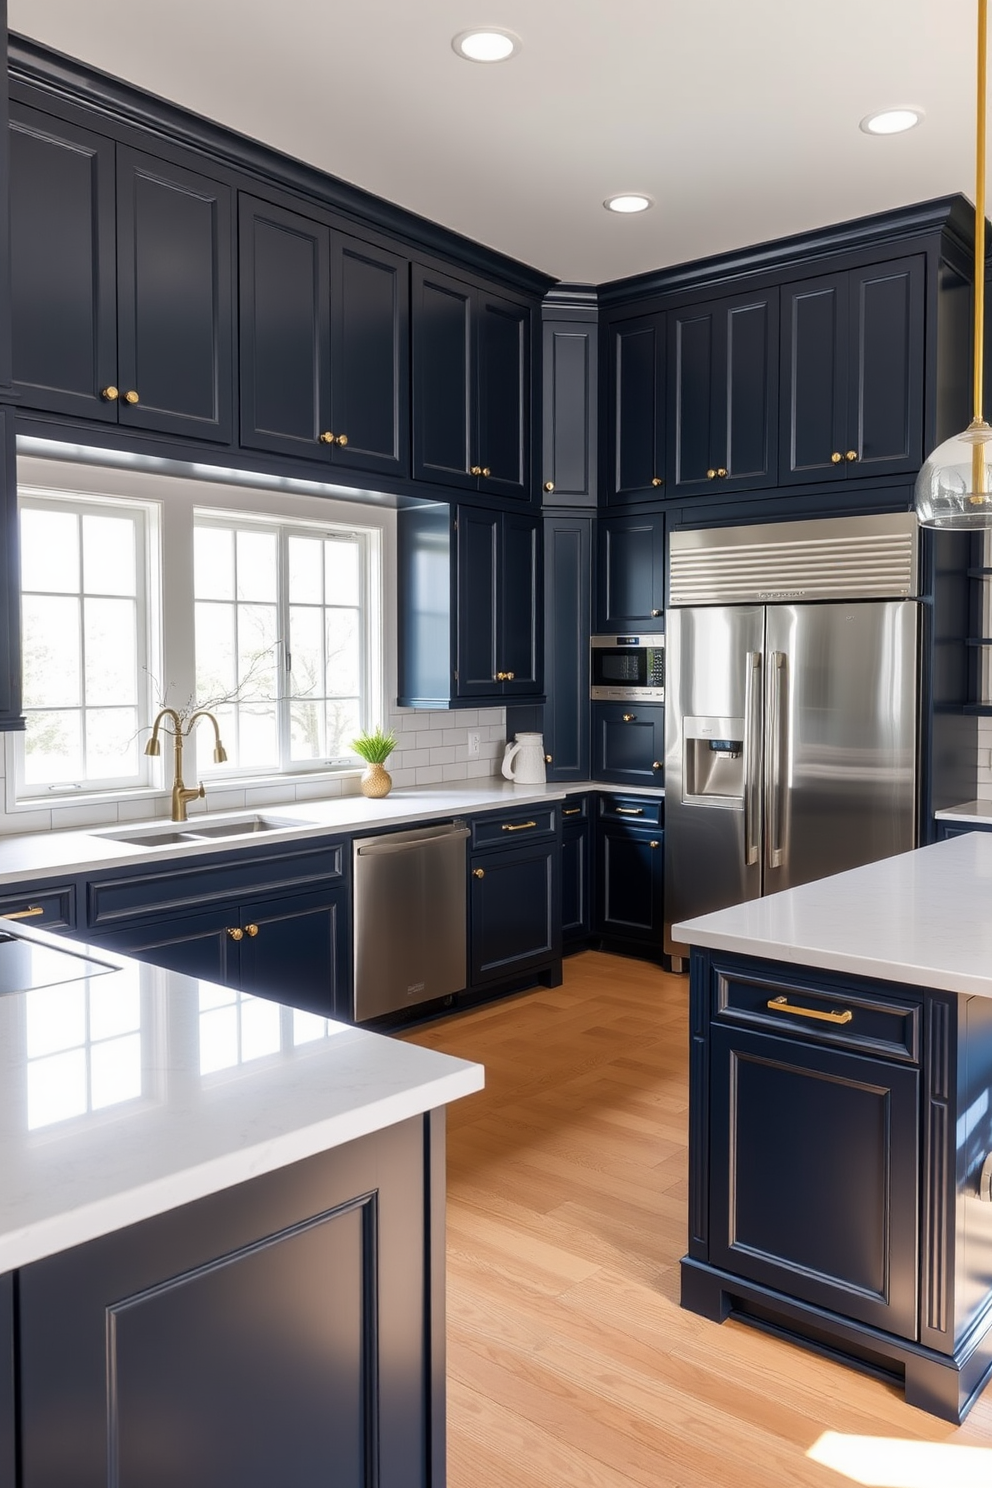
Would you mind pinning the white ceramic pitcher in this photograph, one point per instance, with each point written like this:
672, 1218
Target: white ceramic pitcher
523, 760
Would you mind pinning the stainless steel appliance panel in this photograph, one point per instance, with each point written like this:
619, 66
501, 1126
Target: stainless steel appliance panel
840, 737
410, 918
713, 761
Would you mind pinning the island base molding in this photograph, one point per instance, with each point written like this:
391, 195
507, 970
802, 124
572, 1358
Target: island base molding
943, 1386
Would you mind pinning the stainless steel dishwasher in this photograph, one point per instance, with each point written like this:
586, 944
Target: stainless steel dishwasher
410, 918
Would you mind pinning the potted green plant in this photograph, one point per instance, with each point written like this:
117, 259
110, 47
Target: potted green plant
375, 747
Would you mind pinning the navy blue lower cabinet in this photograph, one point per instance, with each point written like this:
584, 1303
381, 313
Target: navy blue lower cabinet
830, 1194
514, 924
567, 601
947, 829
279, 1331
576, 873
628, 743
630, 866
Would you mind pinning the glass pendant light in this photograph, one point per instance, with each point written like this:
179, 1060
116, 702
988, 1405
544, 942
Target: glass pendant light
954, 488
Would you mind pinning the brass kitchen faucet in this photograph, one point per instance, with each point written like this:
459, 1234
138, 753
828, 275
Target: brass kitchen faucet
182, 793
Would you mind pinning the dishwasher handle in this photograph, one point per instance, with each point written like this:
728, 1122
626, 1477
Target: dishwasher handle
388, 845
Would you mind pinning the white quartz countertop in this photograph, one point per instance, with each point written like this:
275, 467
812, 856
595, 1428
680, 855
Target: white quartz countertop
923, 918
130, 1091
979, 813
28, 856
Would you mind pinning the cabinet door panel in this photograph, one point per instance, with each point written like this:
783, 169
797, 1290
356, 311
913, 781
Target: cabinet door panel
197, 945
570, 443
697, 436
285, 331
504, 397
443, 370
62, 265
174, 298
825, 1206
628, 742
299, 953
886, 415
575, 881
631, 578
521, 633
629, 896
814, 366
750, 394
478, 565
513, 912
370, 330
636, 409
567, 584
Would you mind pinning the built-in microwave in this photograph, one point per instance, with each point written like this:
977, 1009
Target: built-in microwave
627, 668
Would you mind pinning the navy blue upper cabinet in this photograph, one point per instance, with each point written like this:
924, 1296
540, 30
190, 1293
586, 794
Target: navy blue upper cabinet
852, 373
723, 395
324, 343
635, 409
471, 387
630, 575
122, 283
569, 434
498, 623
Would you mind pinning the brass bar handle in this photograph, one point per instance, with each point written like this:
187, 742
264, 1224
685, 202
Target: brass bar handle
25, 914
519, 827
782, 1005
131, 397
572, 811
251, 930
478, 872
235, 932
629, 810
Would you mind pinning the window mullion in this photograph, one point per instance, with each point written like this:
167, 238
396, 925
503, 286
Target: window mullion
283, 705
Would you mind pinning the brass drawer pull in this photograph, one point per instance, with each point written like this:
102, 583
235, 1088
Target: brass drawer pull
782, 1005
572, 811
24, 914
520, 827
629, 810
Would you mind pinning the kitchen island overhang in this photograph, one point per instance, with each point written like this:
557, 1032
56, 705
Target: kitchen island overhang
242, 1256
840, 1116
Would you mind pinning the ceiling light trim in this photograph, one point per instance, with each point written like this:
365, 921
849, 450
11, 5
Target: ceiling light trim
898, 120
487, 48
628, 203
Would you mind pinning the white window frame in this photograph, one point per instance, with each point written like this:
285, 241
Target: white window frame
147, 638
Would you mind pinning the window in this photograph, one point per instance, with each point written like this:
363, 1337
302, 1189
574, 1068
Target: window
84, 580
283, 640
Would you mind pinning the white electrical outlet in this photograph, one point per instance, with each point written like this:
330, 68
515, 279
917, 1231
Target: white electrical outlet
474, 746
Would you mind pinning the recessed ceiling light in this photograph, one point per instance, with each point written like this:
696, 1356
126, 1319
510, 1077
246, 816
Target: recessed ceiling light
628, 201
891, 121
486, 46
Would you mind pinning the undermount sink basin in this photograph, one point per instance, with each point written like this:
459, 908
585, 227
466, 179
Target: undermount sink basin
166, 836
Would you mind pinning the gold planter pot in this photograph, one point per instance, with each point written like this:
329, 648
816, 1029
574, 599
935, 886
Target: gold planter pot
376, 781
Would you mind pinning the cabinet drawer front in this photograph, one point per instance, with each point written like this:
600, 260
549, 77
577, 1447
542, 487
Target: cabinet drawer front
821, 1013
574, 810
113, 900
504, 830
639, 811
58, 907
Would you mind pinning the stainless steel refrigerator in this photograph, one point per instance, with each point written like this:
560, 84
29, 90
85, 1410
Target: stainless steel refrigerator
792, 712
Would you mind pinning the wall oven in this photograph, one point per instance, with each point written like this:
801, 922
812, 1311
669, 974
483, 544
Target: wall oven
627, 668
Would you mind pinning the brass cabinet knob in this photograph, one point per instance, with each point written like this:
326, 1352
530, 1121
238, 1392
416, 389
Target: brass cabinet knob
110, 393
500, 677
342, 440
475, 470
251, 930
327, 437
656, 764
851, 455
236, 933
549, 486
654, 842
711, 475
511, 676
629, 717
656, 480
656, 613
549, 759
721, 472
486, 470
478, 873
131, 397
836, 457
505, 676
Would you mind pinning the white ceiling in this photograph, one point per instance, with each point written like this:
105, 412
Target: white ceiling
740, 117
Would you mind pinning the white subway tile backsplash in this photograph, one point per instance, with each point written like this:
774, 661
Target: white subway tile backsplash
75, 818
443, 756
28, 821
478, 769
456, 772
430, 775
265, 795
317, 790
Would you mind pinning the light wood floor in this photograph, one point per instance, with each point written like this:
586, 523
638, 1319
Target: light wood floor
570, 1363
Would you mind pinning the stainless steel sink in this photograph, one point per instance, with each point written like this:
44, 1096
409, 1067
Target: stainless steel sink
167, 835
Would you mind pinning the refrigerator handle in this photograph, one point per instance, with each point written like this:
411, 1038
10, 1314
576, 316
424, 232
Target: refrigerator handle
752, 755
773, 800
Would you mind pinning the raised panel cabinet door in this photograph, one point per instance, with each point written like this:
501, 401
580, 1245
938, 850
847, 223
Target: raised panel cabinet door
569, 425
174, 294
885, 418
814, 366
697, 438
628, 743
635, 351
444, 392
567, 605
575, 880
478, 562
296, 951
748, 392
520, 644
197, 945
285, 331
824, 1206
504, 347
11, 717
514, 915
63, 266
631, 574
370, 357
629, 882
